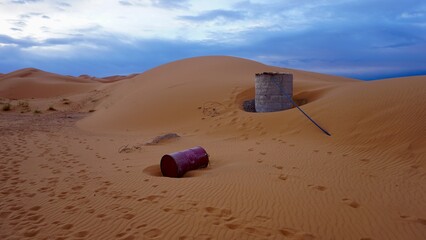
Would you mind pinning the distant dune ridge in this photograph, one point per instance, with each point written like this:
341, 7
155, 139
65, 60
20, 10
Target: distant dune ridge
271, 175
35, 83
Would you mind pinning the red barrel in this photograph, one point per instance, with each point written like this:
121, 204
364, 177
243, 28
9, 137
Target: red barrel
178, 163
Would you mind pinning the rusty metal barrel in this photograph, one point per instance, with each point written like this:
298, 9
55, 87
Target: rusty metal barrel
178, 163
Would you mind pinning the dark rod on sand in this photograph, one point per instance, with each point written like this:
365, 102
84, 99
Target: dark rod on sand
291, 100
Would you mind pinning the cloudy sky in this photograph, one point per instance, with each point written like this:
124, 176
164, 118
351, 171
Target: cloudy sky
365, 39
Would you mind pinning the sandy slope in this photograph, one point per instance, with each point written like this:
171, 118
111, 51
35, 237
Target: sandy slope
272, 175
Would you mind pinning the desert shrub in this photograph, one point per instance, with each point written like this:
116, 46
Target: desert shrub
66, 101
23, 104
51, 109
37, 111
7, 107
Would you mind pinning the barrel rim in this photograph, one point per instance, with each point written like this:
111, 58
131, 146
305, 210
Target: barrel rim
175, 167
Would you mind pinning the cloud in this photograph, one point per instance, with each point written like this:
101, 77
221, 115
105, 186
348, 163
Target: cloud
19, 23
363, 39
64, 4
110, 54
29, 15
170, 4
212, 15
25, 1
22, 43
125, 3
412, 15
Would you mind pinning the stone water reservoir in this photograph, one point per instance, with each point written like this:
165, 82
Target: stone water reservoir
273, 91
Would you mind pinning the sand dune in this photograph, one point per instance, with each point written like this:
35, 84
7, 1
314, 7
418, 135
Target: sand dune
34, 83
271, 175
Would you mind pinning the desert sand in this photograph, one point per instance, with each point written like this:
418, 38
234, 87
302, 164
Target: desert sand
75, 163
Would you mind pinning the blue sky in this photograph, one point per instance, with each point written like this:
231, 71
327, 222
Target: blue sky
365, 39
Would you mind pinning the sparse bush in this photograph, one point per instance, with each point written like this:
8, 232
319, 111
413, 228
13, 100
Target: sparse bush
23, 104
37, 111
91, 110
51, 109
7, 107
66, 101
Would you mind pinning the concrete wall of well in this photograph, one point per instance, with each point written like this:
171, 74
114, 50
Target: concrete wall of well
268, 87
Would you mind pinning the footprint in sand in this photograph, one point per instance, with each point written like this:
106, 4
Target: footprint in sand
421, 221
77, 188
278, 167
233, 226
181, 207
414, 219
351, 203
283, 177
31, 232
67, 226
35, 208
294, 234
319, 188
261, 218
128, 216
81, 234
153, 233
258, 231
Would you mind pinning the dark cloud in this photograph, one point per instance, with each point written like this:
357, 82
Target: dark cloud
21, 43
216, 14
334, 53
